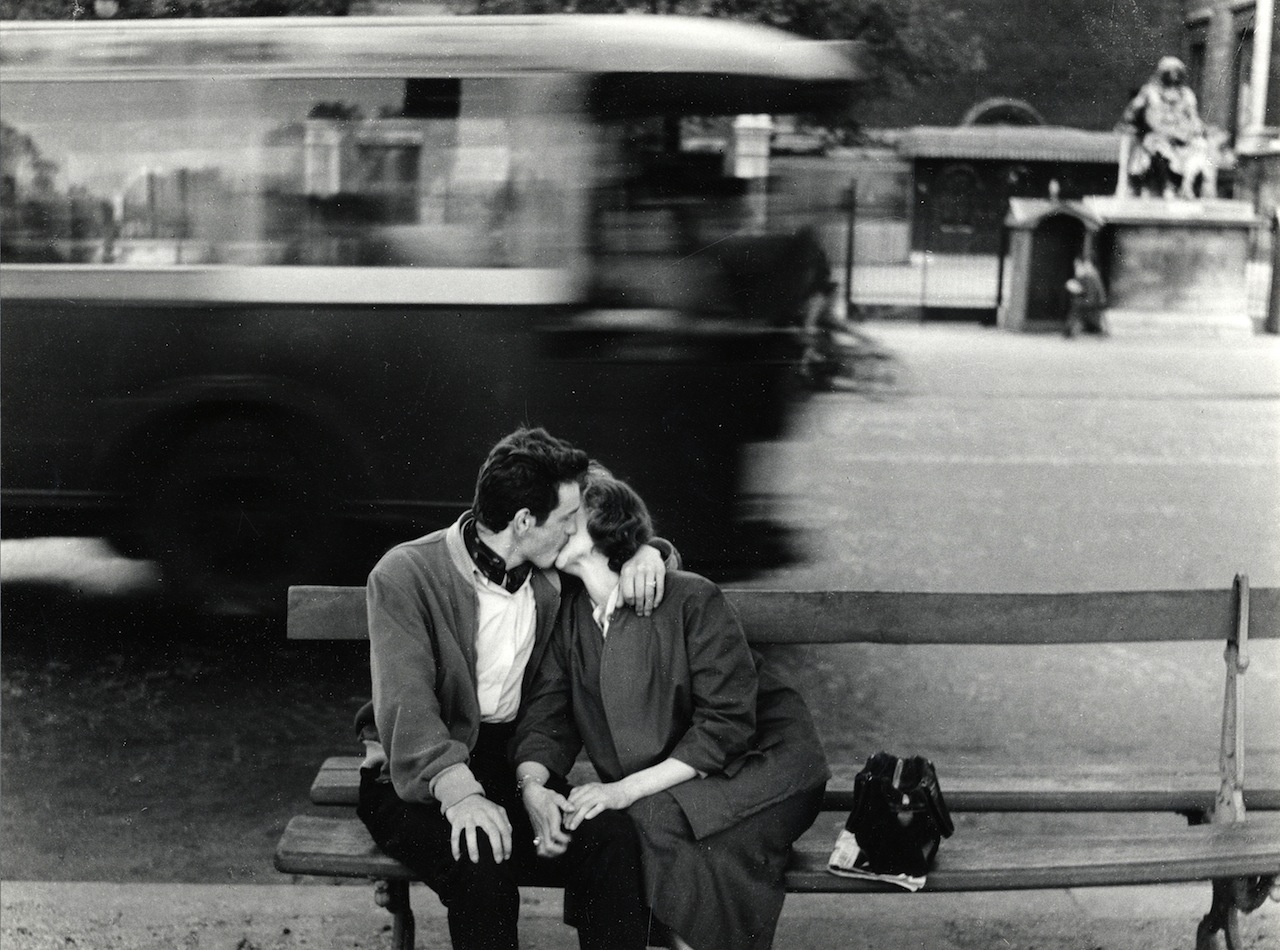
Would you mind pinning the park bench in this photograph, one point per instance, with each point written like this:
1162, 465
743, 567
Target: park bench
1238, 852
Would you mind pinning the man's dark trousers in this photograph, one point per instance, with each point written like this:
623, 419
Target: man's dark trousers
600, 872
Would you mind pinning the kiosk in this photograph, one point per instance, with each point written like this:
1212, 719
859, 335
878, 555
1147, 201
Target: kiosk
1170, 266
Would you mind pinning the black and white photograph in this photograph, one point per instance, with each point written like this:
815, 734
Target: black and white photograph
609, 474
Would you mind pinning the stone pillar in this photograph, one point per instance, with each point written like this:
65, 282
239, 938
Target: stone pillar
1272, 323
1263, 50
1215, 106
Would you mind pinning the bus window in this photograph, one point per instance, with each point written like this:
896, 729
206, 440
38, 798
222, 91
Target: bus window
422, 172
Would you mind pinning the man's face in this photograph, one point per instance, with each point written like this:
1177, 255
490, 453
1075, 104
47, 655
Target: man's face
540, 543
579, 545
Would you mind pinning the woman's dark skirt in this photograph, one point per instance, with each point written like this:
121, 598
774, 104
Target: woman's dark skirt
725, 891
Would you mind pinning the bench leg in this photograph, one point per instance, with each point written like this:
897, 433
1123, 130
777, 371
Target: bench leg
1230, 897
1223, 917
394, 896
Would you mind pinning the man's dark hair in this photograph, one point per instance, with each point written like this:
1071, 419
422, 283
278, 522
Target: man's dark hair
617, 518
525, 470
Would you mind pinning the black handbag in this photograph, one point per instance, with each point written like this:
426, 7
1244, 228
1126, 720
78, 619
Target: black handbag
899, 816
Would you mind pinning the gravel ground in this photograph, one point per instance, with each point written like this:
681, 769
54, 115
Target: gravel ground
246, 917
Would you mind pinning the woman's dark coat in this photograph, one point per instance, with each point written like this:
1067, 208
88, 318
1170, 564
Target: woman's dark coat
684, 683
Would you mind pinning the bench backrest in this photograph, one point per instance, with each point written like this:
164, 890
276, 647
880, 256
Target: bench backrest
778, 616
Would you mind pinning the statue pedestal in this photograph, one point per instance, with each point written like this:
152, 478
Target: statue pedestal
1175, 266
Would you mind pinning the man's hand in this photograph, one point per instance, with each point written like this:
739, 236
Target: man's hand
642, 581
477, 812
591, 799
546, 810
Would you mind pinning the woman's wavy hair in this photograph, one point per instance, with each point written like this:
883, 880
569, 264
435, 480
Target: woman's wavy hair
617, 518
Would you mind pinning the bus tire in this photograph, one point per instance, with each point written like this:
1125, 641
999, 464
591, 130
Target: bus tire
239, 507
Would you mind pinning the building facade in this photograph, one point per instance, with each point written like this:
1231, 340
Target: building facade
1232, 51
964, 178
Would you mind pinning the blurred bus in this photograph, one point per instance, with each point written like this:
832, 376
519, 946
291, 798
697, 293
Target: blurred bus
272, 287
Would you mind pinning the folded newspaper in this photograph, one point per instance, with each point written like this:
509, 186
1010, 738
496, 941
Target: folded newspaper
848, 860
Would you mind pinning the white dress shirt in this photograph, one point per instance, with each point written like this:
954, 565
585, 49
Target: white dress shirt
504, 642
603, 613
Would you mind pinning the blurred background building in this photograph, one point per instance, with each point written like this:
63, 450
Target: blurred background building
1233, 51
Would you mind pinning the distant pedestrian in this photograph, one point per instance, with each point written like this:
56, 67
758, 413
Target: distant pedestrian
1087, 308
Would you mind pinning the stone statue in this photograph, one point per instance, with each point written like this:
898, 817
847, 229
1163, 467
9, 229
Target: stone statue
1169, 152
1207, 154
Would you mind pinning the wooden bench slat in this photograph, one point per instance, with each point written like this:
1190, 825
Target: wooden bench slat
976, 859
775, 616
334, 847
969, 789
990, 859
318, 612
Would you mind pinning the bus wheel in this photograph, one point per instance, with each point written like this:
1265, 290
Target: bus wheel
240, 508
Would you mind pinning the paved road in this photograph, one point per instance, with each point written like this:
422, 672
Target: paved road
246, 917
1007, 462
1025, 462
